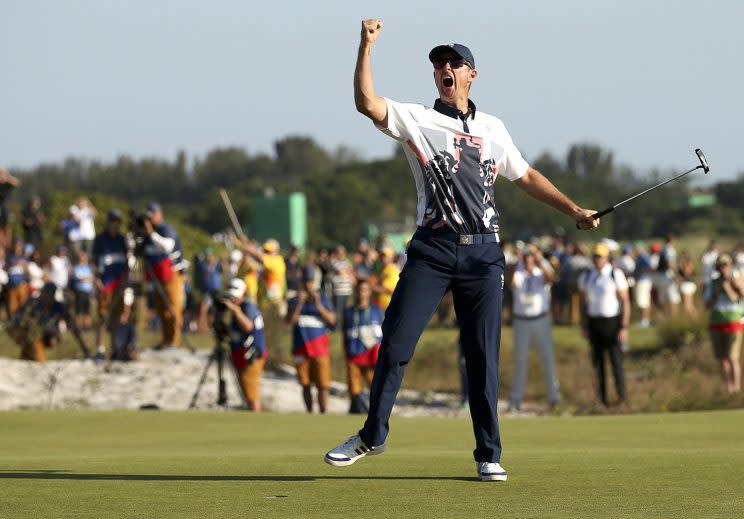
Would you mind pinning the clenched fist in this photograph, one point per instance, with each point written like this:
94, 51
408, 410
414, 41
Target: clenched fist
371, 30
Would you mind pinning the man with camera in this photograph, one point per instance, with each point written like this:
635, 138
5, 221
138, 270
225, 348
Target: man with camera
110, 267
312, 317
725, 300
163, 259
362, 337
247, 341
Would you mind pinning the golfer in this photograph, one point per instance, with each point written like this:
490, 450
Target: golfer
455, 153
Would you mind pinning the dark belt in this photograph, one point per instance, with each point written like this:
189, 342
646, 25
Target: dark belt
530, 318
460, 239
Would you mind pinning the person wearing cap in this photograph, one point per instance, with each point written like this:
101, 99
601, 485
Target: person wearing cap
605, 313
17, 289
163, 261
110, 253
247, 342
725, 300
531, 324
41, 321
362, 326
270, 274
388, 278
312, 317
455, 153
274, 274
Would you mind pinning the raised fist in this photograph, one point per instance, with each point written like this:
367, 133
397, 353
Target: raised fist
370, 30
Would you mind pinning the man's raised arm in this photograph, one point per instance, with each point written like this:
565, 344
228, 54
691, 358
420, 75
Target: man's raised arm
366, 101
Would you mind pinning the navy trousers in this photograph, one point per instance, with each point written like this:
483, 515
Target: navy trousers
475, 273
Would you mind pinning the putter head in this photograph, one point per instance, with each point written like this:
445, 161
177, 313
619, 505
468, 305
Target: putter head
702, 160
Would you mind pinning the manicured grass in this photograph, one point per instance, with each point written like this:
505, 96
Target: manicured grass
210, 464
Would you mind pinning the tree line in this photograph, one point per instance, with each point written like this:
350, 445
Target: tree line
345, 192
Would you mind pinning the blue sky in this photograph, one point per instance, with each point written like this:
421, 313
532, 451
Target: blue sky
651, 80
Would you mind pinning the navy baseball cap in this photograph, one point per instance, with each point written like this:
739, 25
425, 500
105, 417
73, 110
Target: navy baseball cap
153, 207
114, 215
461, 50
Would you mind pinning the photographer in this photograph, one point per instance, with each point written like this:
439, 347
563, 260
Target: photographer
110, 254
312, 317
247, 341
163, 261
725, 299
41, 321
362, 336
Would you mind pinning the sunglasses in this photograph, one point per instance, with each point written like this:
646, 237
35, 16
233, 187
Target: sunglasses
454, 63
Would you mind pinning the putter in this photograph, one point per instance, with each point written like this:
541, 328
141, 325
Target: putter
703, 165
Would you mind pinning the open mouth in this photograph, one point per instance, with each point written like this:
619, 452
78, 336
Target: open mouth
448, 81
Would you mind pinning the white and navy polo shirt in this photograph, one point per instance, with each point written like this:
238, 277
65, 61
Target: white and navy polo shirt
455, 159
600, 289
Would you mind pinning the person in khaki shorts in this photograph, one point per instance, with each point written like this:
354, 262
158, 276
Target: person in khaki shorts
163, 264
312, 317
362, 336
247, 342
725, 299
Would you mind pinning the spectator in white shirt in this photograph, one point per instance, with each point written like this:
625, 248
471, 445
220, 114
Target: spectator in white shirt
84, 214
35, 272
605, 315
709, 264
531, 322
59, 268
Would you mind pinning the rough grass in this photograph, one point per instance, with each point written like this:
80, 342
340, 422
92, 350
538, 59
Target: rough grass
206, 464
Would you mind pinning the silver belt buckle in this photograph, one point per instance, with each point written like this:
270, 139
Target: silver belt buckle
466, 239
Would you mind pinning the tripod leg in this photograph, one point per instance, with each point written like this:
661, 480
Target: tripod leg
221, 389
201, 380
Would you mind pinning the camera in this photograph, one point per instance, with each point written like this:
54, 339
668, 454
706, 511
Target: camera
137, 223
219, 310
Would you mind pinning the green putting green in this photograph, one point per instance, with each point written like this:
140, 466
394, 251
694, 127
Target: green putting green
213, 464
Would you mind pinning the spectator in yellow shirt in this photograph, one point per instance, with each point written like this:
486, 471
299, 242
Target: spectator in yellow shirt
274, 276
388, 278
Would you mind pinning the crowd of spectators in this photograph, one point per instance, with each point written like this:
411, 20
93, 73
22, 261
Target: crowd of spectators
88, 282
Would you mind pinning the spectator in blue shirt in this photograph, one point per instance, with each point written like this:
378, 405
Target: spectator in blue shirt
209, 273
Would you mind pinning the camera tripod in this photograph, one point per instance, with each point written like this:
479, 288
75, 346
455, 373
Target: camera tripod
218, 355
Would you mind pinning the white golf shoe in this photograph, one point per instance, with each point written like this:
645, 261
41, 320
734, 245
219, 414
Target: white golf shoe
490, 471
350, 451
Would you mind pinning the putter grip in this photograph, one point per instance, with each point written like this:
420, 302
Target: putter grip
600, 214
